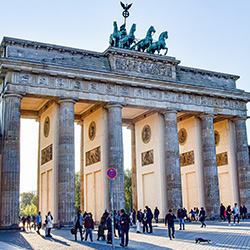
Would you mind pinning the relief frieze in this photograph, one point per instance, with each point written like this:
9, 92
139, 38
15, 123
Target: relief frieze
147, 158
187, 158
140, 67
46, 154
93, 156
222, 159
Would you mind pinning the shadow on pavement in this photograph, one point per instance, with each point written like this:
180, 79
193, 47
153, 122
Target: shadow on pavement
55, 240
14, 238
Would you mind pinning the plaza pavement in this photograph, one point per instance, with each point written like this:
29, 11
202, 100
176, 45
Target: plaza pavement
223, 237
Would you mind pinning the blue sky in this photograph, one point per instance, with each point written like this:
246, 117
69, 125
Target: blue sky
208, 34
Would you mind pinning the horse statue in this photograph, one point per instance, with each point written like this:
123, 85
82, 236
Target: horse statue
146, 42
115, 36
160, 44
126, 42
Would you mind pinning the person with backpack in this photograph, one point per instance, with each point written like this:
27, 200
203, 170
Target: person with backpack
124, 221
39, 222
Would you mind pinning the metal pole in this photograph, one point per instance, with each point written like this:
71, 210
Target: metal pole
112, 210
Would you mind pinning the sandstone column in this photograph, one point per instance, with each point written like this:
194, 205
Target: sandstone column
116, 152
242, 157
10, 176
172, 160
210, 172
134, 172
66, 162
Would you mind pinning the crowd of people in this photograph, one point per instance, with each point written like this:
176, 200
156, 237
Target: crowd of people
122, 222
236, 213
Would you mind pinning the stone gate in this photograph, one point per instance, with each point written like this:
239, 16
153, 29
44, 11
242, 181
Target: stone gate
189, 142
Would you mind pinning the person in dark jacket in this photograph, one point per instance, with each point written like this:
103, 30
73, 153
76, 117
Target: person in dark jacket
202, 217
109, 227
149, 219
134, 217
229, 213
89, 226
180, 216
156, 214
169, 219
124, 221
244, 211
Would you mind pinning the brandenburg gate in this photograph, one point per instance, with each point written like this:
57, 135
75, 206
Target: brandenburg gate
188, 126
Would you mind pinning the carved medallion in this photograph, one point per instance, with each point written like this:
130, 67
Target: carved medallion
182, 135
216, 137
146, 134
92, 131
46, 127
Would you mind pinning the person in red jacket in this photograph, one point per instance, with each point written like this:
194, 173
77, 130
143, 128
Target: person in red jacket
89, 226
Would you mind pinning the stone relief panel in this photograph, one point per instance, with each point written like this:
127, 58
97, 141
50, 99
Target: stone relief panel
76, 85
42, 81
147, 158
140, 67
46, 154
25, 78
93, 156
187, 158
146, 134
61, 83
92, 131
222, 159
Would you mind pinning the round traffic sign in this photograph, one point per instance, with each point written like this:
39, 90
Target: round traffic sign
111, 173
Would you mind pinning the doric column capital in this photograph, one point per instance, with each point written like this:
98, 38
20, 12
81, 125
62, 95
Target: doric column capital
13, 95
169, 111
240, 118
206, 115
66, 100
115, 105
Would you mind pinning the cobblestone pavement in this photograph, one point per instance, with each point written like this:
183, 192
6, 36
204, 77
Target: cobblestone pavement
223, 237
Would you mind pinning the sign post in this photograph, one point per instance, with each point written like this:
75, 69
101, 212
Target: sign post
111, 173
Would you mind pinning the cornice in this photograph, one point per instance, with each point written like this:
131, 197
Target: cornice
120, 79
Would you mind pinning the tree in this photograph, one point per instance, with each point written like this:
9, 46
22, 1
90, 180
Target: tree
77, 192
28, 204
26, 198
128, 189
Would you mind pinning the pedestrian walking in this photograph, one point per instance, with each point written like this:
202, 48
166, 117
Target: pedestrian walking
149, 219
229, 213
145, 222
180, 216
244, 210
28, 222
134, 217
202, 217
241, 212
156, 214
124, 227
222, 211
78, 224
89, 226
118, 223
49, 224
236, 212
169, 219
139, 220
39, 222
23, 221
109, 227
